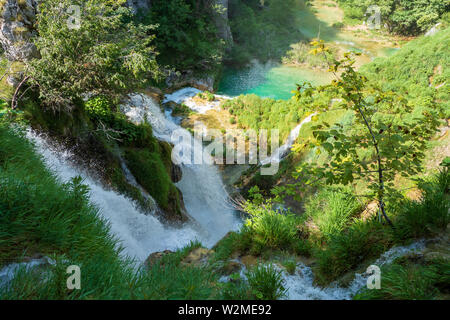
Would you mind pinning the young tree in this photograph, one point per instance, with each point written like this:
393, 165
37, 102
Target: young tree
387, 137
101, 52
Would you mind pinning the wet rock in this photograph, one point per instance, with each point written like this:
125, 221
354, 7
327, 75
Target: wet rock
178, 80
197, 257
155, 257
175, 173
155, 93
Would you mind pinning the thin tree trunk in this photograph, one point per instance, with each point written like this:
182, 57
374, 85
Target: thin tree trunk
14, 100
380, 170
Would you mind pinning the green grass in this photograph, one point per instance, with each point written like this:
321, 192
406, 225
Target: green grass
419, 71
267, 228
266, 282
332, 210
411, 281
39, 215
253, 112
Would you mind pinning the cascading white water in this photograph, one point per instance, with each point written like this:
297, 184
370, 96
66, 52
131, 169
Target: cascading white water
185, 96
300, 285
142, 234
204, 194
139, 234
283, 151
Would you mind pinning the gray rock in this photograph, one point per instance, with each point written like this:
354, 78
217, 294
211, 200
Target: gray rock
176, 173
16, 29
221, 21
136, 5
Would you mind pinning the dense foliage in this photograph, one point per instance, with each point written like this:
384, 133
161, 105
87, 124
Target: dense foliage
186, 36
253, 112
386, 137
408, 17
108, 54
263, 30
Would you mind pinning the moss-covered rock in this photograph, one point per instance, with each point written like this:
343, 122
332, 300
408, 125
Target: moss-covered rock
153, 172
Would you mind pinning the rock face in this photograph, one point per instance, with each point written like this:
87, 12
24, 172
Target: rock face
221, 21
156, 257
136, 5
17, 20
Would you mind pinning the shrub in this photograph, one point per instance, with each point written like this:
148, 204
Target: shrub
98, 107
345, 251
331, 210
266, 282
270, 228
423, 218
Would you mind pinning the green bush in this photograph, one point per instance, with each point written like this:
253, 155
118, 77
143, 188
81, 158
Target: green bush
257, 113
419, 71
98, 107
332, 210
186, 36
345, 251
266, 282
407, 17
416, 219
269, 228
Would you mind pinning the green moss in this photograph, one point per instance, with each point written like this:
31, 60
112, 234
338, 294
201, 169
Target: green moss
151, 172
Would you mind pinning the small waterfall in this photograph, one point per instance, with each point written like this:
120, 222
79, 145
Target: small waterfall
185, 96
204, 193
300, 285
139, 234
283, 151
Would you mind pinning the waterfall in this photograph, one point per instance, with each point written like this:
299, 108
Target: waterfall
203, 191
300, 285
185, 96
283, 151
139, 234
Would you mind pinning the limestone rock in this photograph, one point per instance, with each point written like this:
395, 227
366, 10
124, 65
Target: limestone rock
17, 19
155, 257
197, 257
249, 261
